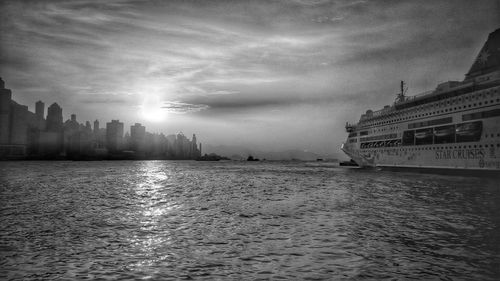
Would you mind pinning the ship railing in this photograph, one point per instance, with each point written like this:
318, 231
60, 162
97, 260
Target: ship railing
382, 111
350, 127
410, 98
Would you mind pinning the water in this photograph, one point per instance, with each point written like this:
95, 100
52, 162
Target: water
229, 221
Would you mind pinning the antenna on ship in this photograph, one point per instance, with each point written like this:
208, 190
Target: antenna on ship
402, 95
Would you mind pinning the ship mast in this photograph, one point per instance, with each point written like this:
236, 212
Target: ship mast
401, 97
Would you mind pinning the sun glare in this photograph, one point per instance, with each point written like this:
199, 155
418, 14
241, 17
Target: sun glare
151, 110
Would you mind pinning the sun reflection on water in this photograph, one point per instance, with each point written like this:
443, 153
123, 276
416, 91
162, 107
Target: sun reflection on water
155, 205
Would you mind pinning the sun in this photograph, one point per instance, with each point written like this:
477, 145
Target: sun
150, 109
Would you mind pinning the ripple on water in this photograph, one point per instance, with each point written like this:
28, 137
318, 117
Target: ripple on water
199, 220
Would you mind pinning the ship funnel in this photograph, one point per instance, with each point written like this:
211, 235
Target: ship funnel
488, 59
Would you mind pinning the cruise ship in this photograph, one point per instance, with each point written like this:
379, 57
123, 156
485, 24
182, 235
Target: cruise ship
454, 127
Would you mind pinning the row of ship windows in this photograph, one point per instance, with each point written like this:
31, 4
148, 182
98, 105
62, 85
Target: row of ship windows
476, 96
433, 113
465, 117
456, 133
436, 147
392, 143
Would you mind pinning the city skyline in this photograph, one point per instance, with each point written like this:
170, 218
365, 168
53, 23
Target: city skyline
33, 135
262, 74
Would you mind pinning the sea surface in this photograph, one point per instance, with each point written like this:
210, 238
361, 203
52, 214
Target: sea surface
160, 220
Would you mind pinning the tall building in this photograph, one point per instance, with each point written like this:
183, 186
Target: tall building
114, 135
195, 153
137, 137
96, 127
54, 118
39, 109
5, 101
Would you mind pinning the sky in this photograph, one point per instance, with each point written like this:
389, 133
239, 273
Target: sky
269, 75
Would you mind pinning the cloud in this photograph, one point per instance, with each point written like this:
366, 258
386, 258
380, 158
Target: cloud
181, 107
251, 58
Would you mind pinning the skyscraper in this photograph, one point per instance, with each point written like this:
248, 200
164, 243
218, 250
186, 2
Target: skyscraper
5, 101
137, 136
96, 127
114, 135
54, 118
39, 109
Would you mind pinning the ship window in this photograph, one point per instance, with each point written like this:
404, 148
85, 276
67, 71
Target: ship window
471, 131
444, 134
479, 115
423, 136
408, 137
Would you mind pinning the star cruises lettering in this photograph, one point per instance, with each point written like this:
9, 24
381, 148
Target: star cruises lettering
475, 153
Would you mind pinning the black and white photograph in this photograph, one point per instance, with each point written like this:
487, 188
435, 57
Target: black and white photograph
249, 140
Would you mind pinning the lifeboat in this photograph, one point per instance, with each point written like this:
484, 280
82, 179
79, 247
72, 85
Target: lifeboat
444, 132
468, 129
423, 134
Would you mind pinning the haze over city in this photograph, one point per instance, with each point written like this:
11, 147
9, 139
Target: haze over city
269, 75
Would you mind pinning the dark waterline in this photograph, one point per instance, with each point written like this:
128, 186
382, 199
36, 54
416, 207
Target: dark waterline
227, 220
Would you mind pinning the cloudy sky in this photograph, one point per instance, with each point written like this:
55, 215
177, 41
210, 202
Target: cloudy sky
275, 74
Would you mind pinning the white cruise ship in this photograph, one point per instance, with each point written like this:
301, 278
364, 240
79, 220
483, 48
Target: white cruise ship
455, 126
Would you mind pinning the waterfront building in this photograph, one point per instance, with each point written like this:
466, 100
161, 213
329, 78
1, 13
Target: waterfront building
39, 109
96, 127
54, 118
114, 135
17, 124
137, 137
5, 101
